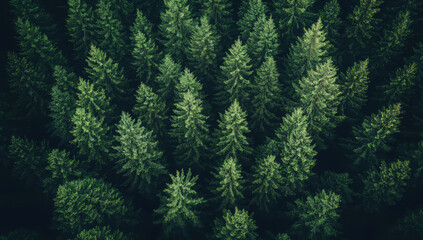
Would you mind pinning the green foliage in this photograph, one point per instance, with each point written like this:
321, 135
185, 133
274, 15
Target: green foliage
66, 80
220, 15
283, 236
178, 205
317, 216
145, 56
169, 75
266, 182
142, 24
188, 82
137, 154
92, 100
411, 226
101, 233
235, 226
86, 203
189, 129
228, 183
330, 15
399, 86
254, 9
339, 183
21, 234
386, 184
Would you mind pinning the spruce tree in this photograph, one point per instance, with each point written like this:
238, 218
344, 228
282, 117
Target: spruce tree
93, 101
317, 216
400, 85
386, 184
146, 57
254, 9
411, 225
169, 75
178, 207
188, 82
138, 156
86, 203
283, 236
331, 19
228, 183
143, 25
189, 129
235, 226
220, 15
266, 182
65, 80
101, 233
339, 183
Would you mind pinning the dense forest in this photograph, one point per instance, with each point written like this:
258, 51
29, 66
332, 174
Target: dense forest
211, 119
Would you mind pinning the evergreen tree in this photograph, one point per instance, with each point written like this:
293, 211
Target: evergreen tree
375, 132
401, 84
138, 156
266, 182
146, 58
330, 15
169, 75
353, 85
283, 236
143, 25
386, 184
263, 41
266, 102
231, 141
220, 15
65, 80
178, 208
80, 24
92, 100
254, 9
235, 226
228, 183
188, 82
150, 109
339, 183
189, 129
318, 95
236, 71
296, 151
317, 216
62, 107
411, 225
86, 203
176, 28
101, 233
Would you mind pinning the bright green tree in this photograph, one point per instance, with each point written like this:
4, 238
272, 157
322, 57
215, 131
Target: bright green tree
188, 82
168, 77
189, 129
235, 226
146, 57
317, 216
386, 184
220, 15
101, 233
65, 80
401, 84
138, 156
142, 24
86, 203
266, 182
254, 9
92, 100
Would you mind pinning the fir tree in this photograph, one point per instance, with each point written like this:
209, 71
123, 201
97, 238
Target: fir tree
178, 208
189, 129
145, 56
169, 75
411, 225
266, 182
188, 82
143, 25
65, 80
235, 226
283, 236
220, 15
254, 9
93, 101
101, 233
86, 203
137, 154
330, 15
228, 183
317, 216
62, 107
386, 184
400, 84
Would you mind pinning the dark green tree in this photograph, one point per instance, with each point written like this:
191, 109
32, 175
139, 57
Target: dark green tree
143, 25
411, 225
283, 236
331, 19
138, 156
65, 80
85, 203
146, 57
220, 15
169, 75
400, 85
235, 226
254, 9
101, 233
339, 183
92, 100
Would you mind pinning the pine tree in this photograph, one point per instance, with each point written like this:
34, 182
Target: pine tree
295, 148
375, 132
178, 207
254, 9
86, 203
235, 77
266, 182
138, 156
318, 95
266, 92
235, 226
80, 24
220, 15
188, 82
353, 86
330, 15
93, 101
317, 216
101, 233
176, 28
400, 84
143, 25
189, 129
228, 183
263, 41
146, 57
231, 141
169, 75
150, 109
386, 184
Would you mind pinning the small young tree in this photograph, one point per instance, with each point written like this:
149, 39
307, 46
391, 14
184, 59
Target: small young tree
235, 226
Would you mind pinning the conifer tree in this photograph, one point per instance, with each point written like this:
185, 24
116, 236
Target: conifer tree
189, 129
101, 233
353, 86
228, 183
400, 84
146, 57
411, 225
188, 82
231, 140
266, 182
65, 80
80, 24
169, 75
235, 226
283, 236
150, 109
176, 28
375, 132
138, 156
178, 207
330, 15
86, 203
220, 15
62, 107
92, 100
235, 77
317, 216
318, 95
254, 9
263, 41
339, 183
143, 25
386, 184
295, 148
